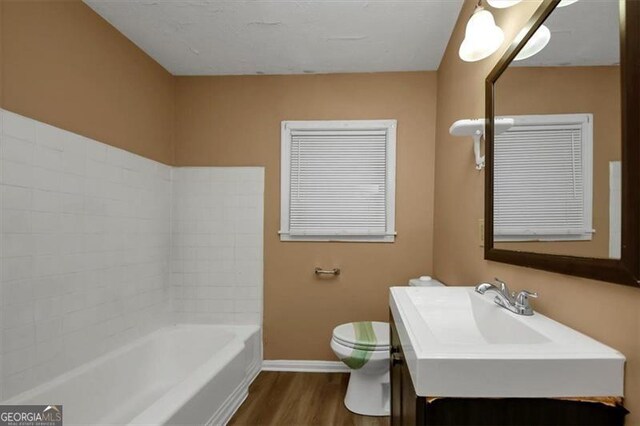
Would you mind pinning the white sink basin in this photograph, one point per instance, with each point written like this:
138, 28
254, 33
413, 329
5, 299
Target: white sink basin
459, 343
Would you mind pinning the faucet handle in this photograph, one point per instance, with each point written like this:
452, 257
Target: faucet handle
522, 305
522, 298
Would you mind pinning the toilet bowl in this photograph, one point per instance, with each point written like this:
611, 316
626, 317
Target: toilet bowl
364, 348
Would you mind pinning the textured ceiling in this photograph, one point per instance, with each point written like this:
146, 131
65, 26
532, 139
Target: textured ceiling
582, 34
285, 37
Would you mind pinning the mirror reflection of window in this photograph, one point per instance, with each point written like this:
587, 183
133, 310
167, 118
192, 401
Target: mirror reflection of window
556, 171
543, 179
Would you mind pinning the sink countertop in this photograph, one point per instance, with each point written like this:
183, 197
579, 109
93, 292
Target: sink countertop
459, 343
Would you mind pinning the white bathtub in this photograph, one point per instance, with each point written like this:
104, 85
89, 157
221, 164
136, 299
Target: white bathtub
184, 374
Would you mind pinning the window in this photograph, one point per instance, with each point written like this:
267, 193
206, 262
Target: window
338, 181
543, 179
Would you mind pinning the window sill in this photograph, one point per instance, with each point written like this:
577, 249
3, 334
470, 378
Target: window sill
339, 239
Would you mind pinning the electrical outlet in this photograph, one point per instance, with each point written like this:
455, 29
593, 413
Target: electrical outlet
481, 231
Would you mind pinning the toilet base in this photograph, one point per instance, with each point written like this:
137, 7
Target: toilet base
368, 394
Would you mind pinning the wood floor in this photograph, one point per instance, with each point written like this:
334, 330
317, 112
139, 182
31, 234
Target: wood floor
297, 399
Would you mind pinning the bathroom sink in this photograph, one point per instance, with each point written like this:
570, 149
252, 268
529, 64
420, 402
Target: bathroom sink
459, 343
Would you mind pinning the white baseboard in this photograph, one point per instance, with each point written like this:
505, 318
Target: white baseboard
308, 366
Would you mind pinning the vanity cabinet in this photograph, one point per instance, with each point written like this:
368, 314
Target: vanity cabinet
404, 401
409, 409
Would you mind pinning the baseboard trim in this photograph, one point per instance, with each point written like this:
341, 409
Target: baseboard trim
307, 366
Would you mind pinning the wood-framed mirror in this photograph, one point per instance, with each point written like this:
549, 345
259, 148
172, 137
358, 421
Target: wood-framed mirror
562, 180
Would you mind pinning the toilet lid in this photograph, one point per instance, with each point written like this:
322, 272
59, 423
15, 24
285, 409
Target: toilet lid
367, 335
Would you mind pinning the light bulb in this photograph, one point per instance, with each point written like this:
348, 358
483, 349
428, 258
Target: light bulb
536, 43
482, 37
503, 4
564, 3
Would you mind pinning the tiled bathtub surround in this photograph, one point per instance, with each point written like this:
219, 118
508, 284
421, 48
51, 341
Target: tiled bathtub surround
86, 250
217, 244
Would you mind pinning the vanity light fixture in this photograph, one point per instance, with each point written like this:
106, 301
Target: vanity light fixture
475, 129
482, 36
503, 4
536, 43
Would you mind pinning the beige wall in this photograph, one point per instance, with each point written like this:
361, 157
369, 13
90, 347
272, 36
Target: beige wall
608, 312
568, 90
64, 65
235, 121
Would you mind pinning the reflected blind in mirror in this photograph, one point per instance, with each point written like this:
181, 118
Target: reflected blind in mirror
542, 179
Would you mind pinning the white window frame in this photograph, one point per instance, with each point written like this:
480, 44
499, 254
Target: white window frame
615, 209
586, 122
285, 168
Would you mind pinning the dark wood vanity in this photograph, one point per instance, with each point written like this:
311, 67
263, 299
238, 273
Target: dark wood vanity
408, 409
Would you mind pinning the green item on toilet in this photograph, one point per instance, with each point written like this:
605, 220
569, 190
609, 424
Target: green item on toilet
365, 336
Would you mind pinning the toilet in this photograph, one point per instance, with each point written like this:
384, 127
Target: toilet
364, 348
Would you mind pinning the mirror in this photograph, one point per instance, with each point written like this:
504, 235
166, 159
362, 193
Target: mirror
557, 165
556, 135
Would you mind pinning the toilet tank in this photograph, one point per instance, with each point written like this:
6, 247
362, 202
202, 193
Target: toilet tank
425, 281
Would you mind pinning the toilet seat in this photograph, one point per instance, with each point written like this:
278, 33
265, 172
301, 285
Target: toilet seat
349, 348
345, 335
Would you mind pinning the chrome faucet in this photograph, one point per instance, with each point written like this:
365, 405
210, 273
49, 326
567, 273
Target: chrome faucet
516, 303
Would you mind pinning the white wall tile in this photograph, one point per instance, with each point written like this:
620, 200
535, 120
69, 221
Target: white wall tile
17, 150
17, 126
215, 239
100, 246
50, 137
46, 201
17, 268
15, 221
17, 361
64, 237
16, 174
14, 245
17, 292
14, 197
46, 179
47, 158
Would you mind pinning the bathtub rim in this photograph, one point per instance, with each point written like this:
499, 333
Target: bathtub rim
242, 332
163, 409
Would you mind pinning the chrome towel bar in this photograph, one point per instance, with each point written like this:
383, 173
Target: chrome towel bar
320, 271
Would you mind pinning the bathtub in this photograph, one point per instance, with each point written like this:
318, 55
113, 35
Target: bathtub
183, 374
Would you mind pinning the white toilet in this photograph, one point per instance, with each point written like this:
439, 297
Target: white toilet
366, 353
364, 348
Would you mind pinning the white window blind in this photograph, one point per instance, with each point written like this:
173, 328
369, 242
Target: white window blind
543, 179
338, 180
